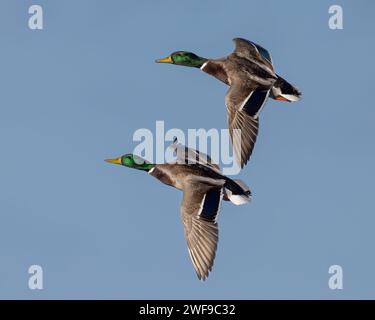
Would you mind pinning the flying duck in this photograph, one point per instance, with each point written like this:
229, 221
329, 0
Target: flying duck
204, 187
250, 74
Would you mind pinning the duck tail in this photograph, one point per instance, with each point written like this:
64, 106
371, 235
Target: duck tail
237, 192
284, 91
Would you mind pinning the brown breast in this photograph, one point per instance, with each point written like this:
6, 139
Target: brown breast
216, 69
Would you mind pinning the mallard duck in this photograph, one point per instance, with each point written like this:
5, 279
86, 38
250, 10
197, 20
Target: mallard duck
204, 187
250, 74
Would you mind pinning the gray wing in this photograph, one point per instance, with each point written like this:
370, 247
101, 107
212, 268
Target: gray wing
249, 49
244, 104
186, 155
199, 209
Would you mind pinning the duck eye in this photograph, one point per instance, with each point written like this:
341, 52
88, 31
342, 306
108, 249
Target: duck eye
126, 161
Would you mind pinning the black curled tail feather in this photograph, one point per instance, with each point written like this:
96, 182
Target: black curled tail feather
283, 90
237, 192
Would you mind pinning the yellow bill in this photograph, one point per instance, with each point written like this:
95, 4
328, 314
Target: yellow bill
165, 60
115, 161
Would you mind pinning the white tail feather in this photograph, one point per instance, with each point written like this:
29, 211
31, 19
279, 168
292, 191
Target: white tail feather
237, 199
290, 97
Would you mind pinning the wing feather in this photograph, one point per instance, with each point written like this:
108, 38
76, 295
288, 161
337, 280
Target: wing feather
243, 107
250, 49
199, 209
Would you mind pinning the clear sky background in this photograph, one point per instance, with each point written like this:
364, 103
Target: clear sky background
74, 93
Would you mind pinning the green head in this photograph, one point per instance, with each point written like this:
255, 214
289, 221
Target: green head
183, 58
132, 161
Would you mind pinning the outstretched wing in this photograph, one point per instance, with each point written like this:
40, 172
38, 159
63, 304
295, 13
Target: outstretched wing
186, 155
249, 49
199, 209
243, 107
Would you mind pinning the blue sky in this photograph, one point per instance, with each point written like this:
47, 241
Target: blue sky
74, 93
